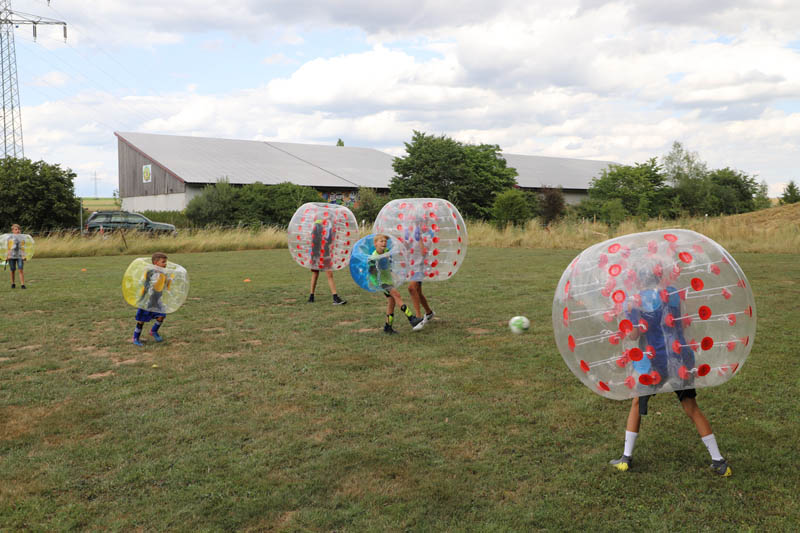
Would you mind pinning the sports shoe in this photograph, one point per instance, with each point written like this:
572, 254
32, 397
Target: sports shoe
622, 464
137, 342
22, 286
388, 329
310, 299
156, 336
428, 317
338, 301
416, 323
721, 467
13, 286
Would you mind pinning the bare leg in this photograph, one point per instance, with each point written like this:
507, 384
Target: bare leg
634, 418
331, 284
314, 277
417, 298
700, 421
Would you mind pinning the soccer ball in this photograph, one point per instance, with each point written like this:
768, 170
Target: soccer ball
519, 324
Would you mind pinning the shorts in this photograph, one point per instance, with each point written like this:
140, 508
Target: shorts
142, 315
387, 289
15, 264
681, 394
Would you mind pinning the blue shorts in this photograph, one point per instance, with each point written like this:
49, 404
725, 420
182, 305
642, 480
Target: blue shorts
143, 315
15, 264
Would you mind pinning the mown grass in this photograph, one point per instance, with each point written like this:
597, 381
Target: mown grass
267, 413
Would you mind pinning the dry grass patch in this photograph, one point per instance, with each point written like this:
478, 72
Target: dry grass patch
18, 420
101, 375
478, 331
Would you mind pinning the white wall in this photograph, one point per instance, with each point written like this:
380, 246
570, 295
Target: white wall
160, 202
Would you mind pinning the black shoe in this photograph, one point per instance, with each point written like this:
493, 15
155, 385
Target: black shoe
310, 299
22, 286
416, 323
13, 286
388, 329
338, 301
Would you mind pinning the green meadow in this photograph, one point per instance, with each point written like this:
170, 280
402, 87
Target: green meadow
261, 412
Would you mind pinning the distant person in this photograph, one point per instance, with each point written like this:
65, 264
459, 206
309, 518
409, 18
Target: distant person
151, 306
322, 256
660, 333
380, 275
16, 255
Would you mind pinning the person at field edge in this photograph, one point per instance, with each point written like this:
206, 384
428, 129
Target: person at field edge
659, 330
156, 281
321, 256
16, 256
380, 275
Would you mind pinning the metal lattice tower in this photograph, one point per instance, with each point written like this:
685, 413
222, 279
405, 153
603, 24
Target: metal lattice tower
12, 118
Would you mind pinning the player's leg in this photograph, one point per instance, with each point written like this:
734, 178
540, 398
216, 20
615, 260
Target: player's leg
332, 286
631, 434
154, 329
21, 266
314, 278
416, 322
414, 292
689, 403
12, 263
387, 327
137, 331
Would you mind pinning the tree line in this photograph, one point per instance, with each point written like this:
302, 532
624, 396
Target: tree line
474, 177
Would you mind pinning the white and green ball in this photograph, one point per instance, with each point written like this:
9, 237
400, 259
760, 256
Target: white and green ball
519, 324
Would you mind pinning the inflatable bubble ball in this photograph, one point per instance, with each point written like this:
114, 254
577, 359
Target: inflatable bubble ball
432, 231
321, 236
373, 271
16, 246
654, 312
152, 288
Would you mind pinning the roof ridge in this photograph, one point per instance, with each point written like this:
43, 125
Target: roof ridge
310, 163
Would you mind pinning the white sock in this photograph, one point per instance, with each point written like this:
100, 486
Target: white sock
630, 441
711, 443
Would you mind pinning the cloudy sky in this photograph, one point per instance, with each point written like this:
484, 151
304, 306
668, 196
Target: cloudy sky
592, 79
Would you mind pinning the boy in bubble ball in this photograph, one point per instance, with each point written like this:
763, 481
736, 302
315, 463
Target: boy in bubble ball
321, 250
656, 324
15, 255
380, 275
155, 282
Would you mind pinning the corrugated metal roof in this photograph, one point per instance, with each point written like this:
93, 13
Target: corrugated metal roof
207, 160
540, 171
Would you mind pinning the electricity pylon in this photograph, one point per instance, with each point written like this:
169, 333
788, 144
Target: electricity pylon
12, 118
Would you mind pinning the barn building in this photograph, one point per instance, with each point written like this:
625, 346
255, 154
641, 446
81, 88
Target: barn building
164, 172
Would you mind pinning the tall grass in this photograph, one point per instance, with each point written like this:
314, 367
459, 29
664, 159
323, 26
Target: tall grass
740, 233
209, 240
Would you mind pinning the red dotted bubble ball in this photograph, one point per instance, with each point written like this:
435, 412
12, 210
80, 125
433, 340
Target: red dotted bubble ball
654, 312
322, 236
433, 232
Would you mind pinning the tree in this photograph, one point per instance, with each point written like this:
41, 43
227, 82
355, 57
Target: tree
733, 192
640, 188
761, 199
340, 142
552, 205
790, 194
37, 195
511, 207
470, 176
217, 204
688, 176
368, 205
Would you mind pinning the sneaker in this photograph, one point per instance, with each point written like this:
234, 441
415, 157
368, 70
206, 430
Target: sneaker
622, 464
310, 299
338, 301
416, 323
428, 317
13, 286
137, 342
156, 336
721, 467
388, 329
22, 286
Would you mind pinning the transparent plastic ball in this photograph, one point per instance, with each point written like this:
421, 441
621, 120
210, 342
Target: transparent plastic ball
654, 312
432, 231
17, 246
378, 272
321, 236
153, 288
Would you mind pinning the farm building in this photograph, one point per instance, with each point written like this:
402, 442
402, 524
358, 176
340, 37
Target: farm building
164, 172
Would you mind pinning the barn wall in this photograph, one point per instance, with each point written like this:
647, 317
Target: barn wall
131, 183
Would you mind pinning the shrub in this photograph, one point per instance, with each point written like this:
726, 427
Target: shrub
511, 207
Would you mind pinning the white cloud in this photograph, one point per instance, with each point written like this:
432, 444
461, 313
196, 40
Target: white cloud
51, 79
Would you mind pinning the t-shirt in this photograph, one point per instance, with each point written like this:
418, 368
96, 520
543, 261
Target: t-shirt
382, 265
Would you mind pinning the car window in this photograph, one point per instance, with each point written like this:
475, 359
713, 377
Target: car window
100, 217
135, 219
117, 218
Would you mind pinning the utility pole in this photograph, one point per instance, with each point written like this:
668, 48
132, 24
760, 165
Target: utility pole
12, 118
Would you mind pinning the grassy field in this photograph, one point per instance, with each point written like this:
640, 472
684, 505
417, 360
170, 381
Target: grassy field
100, 204
261, 412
